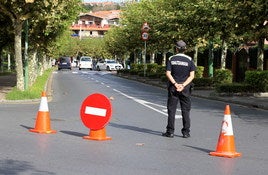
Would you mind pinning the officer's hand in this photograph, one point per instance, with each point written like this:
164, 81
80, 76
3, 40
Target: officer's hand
179, 87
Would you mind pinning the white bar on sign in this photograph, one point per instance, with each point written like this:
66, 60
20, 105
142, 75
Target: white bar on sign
95, 111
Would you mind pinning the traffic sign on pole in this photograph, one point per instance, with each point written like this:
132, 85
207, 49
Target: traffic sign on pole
144, 36
145, 27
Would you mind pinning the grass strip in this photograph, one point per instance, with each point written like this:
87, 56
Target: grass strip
33, 92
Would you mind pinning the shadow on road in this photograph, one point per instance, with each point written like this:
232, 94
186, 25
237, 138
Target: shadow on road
135, 128
27, 127
73, 133
16, 167
197, 148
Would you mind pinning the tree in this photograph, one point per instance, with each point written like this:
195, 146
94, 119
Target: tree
52, 12
252, 25
7, 38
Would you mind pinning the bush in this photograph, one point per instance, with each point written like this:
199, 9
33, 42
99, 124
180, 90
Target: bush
258, 80
203, 82
152, 68
123, 71
234, 88
134, 69
164, 78
223, 76
199, 72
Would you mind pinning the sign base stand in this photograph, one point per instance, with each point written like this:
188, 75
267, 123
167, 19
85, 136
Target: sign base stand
97, 135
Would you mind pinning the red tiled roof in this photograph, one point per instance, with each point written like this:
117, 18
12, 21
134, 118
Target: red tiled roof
111, 14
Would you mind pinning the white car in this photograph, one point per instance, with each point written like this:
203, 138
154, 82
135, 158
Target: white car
108, 65
85, 63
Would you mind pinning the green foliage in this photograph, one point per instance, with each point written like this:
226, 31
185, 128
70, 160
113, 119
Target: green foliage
164, 78
133, 69
258, 80
152, 68
73, 46
194, 21
255, 81
223, 76
34, 92
203, 82
234, 88
5, 73
199, 71
123, 71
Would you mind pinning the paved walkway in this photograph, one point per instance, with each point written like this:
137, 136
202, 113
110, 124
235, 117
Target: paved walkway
254, 100
7, 82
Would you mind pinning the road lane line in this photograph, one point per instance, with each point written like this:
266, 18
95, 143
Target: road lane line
145, 103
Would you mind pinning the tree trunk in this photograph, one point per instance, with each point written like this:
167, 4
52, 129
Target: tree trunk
1, 61
18, 56
210, 59
260, 56
195, 54
33, 68
223, 54
152, 56
164, 59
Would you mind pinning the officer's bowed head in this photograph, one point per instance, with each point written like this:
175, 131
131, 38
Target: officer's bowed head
181, 45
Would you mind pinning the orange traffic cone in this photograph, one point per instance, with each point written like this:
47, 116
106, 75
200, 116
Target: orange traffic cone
97, 135
42, 124
226, 141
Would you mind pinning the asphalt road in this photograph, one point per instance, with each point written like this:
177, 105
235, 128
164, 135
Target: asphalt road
137, 147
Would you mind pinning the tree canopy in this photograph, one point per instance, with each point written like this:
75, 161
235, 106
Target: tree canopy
47, 18
195, 21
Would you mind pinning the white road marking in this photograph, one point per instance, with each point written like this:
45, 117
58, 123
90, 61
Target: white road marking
142, 102
147, 104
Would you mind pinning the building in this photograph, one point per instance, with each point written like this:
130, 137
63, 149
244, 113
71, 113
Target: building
95, 24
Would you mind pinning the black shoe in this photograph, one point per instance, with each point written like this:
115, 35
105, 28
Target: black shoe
185, 135
166, 134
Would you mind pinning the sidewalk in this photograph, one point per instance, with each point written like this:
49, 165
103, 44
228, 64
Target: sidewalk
7, 82
254, 100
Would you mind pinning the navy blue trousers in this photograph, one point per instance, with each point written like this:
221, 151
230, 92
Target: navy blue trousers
175, 97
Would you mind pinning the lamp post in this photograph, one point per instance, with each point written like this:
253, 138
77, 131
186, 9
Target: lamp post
26, 73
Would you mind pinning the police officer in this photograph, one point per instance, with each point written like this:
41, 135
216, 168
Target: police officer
180, 71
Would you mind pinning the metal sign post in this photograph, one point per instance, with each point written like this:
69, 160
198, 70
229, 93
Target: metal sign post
145, 36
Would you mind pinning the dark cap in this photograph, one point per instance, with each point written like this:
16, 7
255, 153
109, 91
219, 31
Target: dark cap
181, 44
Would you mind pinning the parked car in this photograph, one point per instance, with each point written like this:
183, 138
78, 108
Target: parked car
85, 63
108, 65
64, 63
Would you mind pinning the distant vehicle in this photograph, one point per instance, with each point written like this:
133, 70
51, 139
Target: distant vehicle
108, 65
85, 63
64, 63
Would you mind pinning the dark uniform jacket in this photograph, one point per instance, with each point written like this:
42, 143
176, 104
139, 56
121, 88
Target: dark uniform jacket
180, 66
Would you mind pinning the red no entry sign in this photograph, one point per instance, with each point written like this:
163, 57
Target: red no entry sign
96, 111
